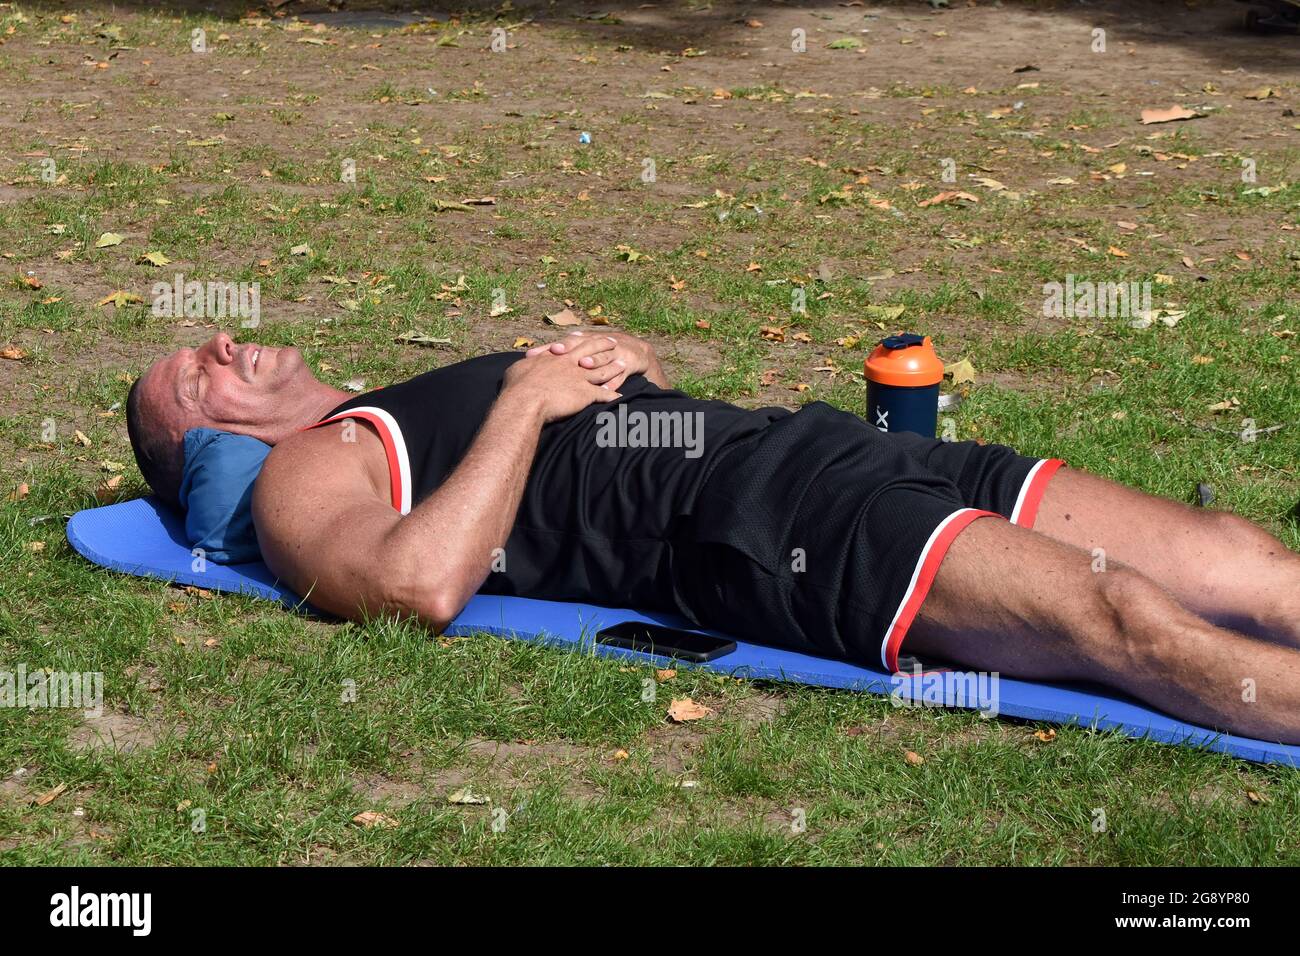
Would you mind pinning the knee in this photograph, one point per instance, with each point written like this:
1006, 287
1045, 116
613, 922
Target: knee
1135, 615
1237, 566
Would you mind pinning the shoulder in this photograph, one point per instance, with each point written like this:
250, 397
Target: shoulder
313, 466
302, 453
312, 484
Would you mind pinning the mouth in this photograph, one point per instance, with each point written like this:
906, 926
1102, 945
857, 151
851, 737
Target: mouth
257, 353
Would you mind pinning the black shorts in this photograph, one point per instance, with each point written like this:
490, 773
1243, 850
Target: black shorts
823, 535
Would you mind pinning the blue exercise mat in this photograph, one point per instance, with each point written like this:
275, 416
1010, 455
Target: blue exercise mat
145, 538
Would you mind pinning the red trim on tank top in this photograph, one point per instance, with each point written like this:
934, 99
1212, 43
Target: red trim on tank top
390, 448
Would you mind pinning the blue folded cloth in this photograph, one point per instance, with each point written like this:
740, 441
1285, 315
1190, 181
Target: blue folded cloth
217, 493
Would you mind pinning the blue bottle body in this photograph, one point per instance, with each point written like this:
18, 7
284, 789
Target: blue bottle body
903, 408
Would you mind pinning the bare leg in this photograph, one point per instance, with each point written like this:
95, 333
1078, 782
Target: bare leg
1009, 600
1215, 563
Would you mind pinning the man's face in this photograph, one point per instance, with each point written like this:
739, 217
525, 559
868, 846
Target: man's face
244, 388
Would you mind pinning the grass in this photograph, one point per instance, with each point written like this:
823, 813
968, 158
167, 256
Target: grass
274, 730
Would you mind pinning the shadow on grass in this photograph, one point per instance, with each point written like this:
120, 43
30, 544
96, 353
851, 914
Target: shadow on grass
1214, 30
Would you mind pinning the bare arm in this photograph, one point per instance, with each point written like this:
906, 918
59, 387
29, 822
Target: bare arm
442, 550
326, 528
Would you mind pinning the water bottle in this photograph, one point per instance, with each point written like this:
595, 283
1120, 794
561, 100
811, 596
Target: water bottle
903, 377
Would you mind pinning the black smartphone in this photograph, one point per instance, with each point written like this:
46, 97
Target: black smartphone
666, 641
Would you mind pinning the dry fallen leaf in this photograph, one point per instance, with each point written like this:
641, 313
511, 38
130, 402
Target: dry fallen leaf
1046, 736
1169, 115
19, 493
372, 818
107, 490
108, 239
683, 709
412, 337
914, 758
948, 195
628, 254
665, 674
465, 796
119, 298
883, 314
961, 372
564, 317
81, 438
13, 353
50, 795
446, 204
523, 342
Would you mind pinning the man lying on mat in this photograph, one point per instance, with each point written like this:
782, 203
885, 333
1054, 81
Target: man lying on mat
574, 473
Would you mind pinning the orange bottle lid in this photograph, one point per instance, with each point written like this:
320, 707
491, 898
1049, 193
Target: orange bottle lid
906, 360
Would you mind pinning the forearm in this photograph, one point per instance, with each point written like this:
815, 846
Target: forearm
443, 549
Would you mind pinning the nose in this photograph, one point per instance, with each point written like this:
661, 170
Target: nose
222, 347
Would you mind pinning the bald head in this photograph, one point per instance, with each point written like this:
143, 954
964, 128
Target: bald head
158, 452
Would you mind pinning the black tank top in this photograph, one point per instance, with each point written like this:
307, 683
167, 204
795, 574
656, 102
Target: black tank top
611, 500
